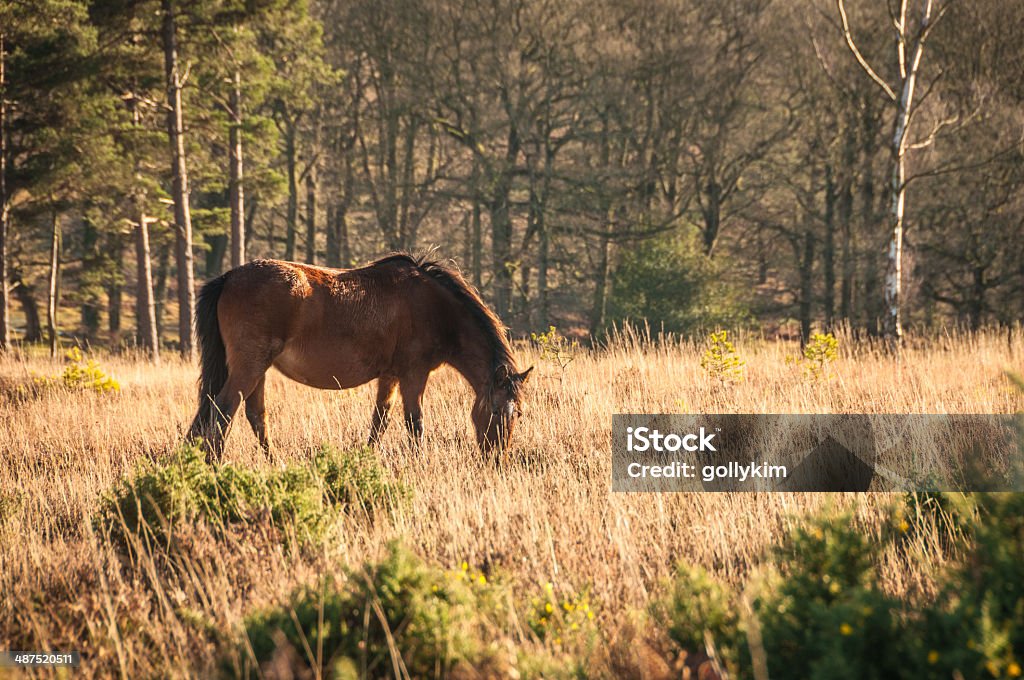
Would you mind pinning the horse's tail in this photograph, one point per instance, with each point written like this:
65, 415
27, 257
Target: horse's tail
213, 357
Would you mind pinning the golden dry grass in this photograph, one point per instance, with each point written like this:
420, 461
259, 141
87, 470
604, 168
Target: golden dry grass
543, 514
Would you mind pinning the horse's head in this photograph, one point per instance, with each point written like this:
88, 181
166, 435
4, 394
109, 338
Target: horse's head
496, 412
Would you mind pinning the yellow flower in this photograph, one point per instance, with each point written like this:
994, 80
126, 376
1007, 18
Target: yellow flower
548, 607
904, 526
465, 566
845, 629
933, 656
1013, 670
482, 579
992, 668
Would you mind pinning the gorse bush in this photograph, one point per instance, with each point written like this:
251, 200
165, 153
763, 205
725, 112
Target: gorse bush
692, 607
820, 613
186, 488
820, 351
720, 359
561, 619
555, 347
398, 617
81, 375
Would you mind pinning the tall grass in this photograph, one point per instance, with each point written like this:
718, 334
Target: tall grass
543, 513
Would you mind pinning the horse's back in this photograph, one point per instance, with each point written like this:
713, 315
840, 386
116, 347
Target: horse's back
326, 327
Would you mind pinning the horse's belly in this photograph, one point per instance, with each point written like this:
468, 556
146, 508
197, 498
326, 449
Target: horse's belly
334, 371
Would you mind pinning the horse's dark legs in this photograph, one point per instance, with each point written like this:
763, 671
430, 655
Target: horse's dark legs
256, 414
412, 388
385, 398
239, 384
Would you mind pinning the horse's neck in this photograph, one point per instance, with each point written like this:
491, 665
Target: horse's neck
475, 362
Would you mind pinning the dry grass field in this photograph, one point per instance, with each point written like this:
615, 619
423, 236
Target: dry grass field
543, 513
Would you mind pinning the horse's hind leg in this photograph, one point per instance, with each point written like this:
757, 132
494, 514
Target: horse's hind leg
256, 414
385, 398
239, 384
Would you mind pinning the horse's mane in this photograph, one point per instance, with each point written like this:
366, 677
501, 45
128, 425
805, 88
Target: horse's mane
452, 281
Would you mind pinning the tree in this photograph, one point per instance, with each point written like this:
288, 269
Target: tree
911, 36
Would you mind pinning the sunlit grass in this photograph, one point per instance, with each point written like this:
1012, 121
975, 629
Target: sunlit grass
541, 514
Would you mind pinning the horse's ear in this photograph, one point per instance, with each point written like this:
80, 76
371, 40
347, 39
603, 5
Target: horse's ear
502, 376
525, 375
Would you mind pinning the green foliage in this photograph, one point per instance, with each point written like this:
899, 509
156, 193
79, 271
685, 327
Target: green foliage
669, 283
819, 611
819, 352
822, 614
560, 618
187, 489
555, 347
978, 623
692, 605
396, 613
81, 375
721, 360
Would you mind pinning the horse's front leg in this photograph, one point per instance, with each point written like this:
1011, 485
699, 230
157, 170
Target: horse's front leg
412, 388
385, 397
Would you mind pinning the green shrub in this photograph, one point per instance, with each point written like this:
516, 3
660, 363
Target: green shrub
562, 620
185, 488
668, 282
397, 613
81, 375
820, 613
978, 624
692, 605
721, 360
820, 351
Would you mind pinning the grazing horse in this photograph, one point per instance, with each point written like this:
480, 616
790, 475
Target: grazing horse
393, 321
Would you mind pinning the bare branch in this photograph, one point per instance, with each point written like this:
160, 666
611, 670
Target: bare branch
856, 53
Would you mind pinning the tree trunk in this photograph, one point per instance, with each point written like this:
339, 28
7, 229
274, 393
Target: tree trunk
501, 228
828, 254
5, 332
976, 304
712, 216
89, 291
115, 291
311, 216
806, 285
235, 188
52, 301
218, 248
26, 296
844, 214
543, 248
501, 248
478, 246
599, 309
145, 304
179, 172
293, 193
160, 288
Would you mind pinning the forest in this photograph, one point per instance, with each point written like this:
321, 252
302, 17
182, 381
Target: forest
784, 165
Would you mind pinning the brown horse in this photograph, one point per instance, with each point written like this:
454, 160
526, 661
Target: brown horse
393, 321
